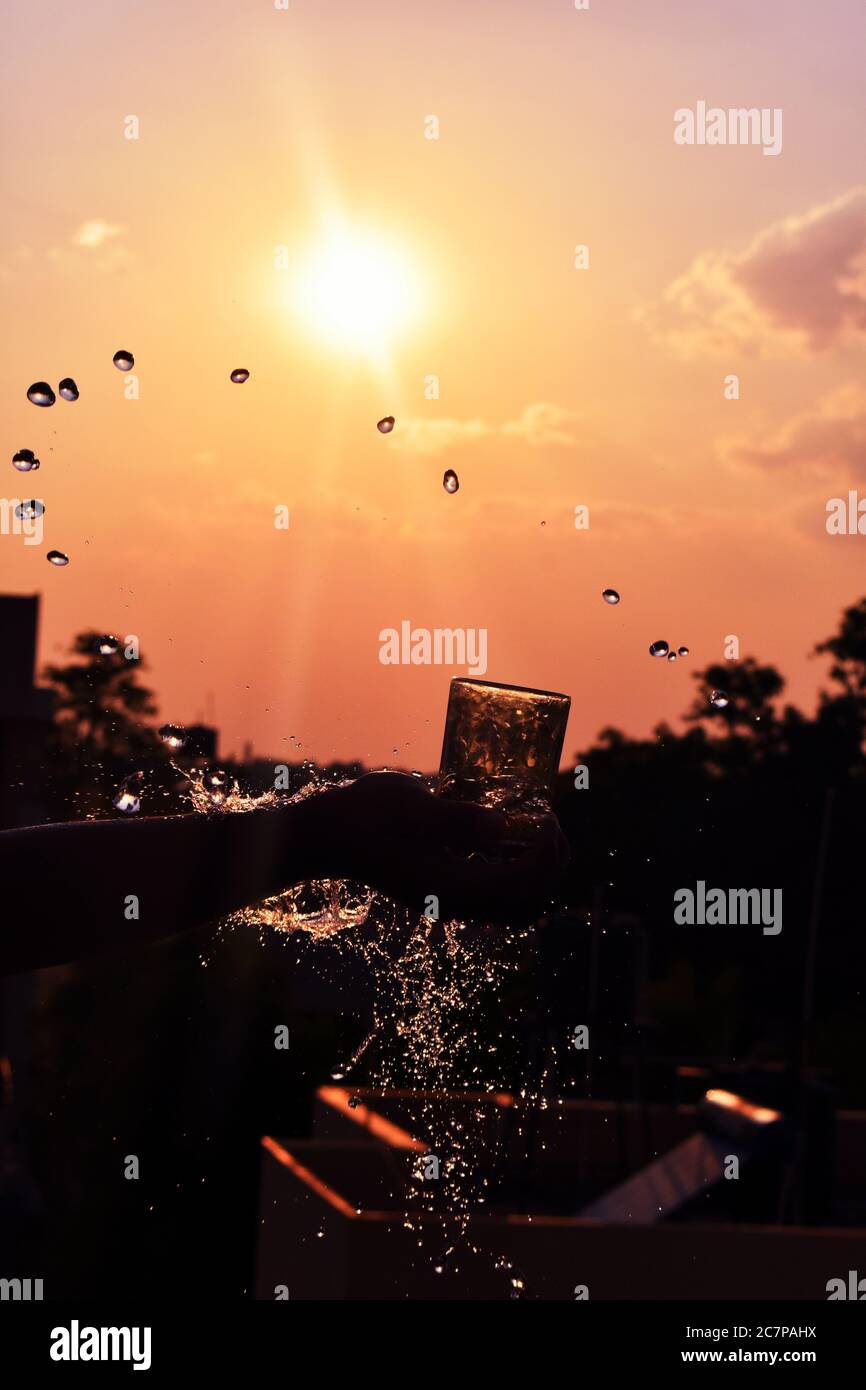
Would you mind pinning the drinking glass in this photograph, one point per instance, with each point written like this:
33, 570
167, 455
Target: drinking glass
502, 745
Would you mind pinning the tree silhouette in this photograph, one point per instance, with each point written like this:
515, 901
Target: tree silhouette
746, 728
841, 718
100, 706
848, 650
750, 690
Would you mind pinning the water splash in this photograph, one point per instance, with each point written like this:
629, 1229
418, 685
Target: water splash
173, 735
434, 987
320, 907
217, 785
340, 1073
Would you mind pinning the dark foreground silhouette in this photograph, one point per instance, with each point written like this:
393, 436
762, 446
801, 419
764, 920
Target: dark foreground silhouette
67, 887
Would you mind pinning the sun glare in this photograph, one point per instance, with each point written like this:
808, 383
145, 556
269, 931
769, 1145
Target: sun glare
358, 292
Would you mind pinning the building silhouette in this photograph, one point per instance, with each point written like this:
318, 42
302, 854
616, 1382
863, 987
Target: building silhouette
25, 713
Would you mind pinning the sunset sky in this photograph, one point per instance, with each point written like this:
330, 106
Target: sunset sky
262, 128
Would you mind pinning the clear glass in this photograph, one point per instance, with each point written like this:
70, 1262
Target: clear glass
502, 744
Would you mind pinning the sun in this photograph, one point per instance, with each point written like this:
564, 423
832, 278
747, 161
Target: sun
358, 291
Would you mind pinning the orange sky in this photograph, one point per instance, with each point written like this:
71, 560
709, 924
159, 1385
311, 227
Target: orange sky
604, 387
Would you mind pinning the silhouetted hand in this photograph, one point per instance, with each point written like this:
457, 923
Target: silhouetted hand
388, 831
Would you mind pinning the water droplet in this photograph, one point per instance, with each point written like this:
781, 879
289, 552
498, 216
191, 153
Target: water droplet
450, 482
40, 393
217, 784
354, 1102
719, 699
123, 360
239, 376
106, 645
658, 649
173, 735
672, 656
25, 461
610, 595
128, 798
684, 651
337, 1074
56, 557
68, 390
518, 1286
28, 511
385, 425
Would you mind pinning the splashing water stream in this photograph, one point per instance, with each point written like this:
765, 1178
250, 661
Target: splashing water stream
432, 982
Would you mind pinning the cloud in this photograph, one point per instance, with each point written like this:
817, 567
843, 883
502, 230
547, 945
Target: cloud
538, 425
95, 232
420, 436
89, 249
829, 436
800, 287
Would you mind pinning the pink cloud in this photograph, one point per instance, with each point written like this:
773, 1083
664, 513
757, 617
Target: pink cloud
828, 437
800, 287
